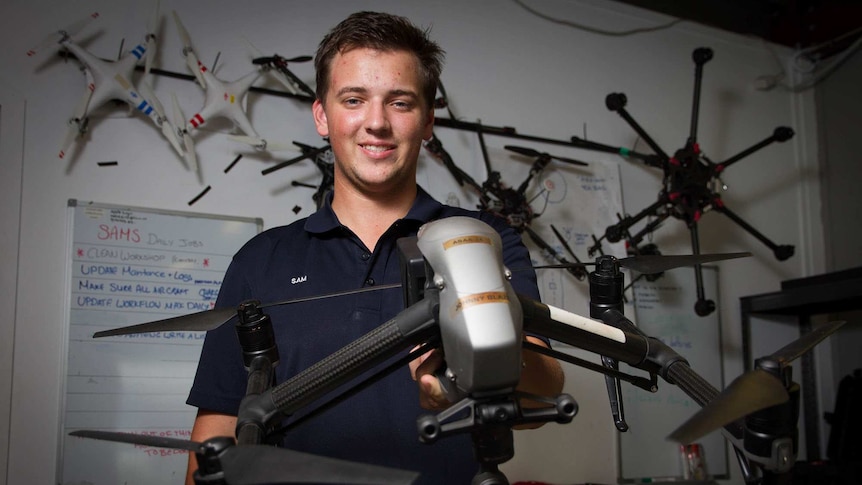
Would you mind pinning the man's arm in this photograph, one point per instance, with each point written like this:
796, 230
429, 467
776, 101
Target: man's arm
541, 375
208, 424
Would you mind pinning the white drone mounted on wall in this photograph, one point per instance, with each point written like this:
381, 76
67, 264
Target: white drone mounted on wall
111, 80
222, 99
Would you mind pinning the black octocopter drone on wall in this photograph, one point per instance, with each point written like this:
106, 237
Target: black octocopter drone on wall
689, 185
453, 280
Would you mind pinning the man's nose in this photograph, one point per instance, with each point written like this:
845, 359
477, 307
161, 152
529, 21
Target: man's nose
377, 119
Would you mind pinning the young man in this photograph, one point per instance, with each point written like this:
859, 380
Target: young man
377, 76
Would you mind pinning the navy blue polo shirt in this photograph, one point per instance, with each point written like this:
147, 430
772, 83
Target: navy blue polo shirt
318, 255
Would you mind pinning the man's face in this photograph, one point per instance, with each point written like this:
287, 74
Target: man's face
375, 118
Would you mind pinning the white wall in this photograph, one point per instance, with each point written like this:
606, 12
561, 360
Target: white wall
504, 66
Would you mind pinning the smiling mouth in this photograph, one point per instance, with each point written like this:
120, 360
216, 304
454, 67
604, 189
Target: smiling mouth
377, 148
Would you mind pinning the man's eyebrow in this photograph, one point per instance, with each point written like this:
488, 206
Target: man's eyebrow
361, 90
403, 92
351, 89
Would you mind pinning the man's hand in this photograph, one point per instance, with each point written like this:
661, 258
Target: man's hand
422, 370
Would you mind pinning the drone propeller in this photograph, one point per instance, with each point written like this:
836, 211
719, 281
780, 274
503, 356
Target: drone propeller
274, 64
168, 129
211, 319
189, 155
650, 264
262, 464
152, 25
189, 51
262, 143
275, 58
139, 439
78, 122
535, 153
308, 152
62, 35
77, 127
755, 390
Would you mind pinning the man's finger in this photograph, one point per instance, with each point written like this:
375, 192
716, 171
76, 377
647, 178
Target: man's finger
428, 364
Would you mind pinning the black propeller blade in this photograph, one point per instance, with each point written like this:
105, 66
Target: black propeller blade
535, 153
277, 58
650, 264
138, 439
193, 322
262, 464
748, 393
306, 154
259, 464
755, 390
212, 319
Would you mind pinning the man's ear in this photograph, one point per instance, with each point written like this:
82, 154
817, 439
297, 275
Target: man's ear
320, 120
429, 127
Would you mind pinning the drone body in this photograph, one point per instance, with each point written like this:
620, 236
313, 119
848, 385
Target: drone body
222, 99
108, 81
689, 185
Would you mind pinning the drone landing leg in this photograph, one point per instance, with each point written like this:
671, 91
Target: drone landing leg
745, 467
606, 293
702, 306
782, 252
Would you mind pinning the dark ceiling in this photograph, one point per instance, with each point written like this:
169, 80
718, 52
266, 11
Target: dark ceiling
793, 23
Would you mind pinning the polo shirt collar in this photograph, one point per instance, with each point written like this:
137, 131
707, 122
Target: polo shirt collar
424, 209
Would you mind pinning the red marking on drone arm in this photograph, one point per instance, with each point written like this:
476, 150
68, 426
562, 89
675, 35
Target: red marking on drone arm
197, 120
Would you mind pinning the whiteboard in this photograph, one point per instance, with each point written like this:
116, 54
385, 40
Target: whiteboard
129, 266
665, 310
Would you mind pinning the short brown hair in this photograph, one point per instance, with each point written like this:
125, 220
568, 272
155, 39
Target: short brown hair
385, 32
